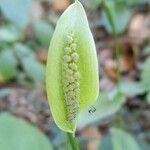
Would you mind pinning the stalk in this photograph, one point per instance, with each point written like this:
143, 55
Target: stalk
73, 142
117, 47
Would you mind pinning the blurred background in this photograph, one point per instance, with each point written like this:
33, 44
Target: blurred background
119, 120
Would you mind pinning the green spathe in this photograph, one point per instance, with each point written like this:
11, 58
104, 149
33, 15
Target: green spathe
73, 21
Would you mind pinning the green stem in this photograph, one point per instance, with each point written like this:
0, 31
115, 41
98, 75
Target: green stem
108, 12
73, 142
117, 53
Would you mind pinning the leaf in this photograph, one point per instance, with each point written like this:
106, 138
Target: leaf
145, 75
132, 88
71, 41
143, 145
146, 50
43, 32
17, 11
106, 143
8, 64
34, 69
119, 140
24, 52
121, 17
9, 33
148, 98
17, 134
135, 2
106, 106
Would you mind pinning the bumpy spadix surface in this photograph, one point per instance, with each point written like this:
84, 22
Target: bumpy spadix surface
72, 70
70, 78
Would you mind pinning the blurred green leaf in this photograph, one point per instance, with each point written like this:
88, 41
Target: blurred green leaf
16, 134
129, 2
118, 140
146, 50
18, 11
143, 145
148, 98
145, 76
9, 33
106, 143
121, 16
131, 88
105, 105
8, 64
43, 32
24, 52
34, 69
135, 2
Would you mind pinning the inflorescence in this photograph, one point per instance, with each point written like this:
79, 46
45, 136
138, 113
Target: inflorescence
71, 77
